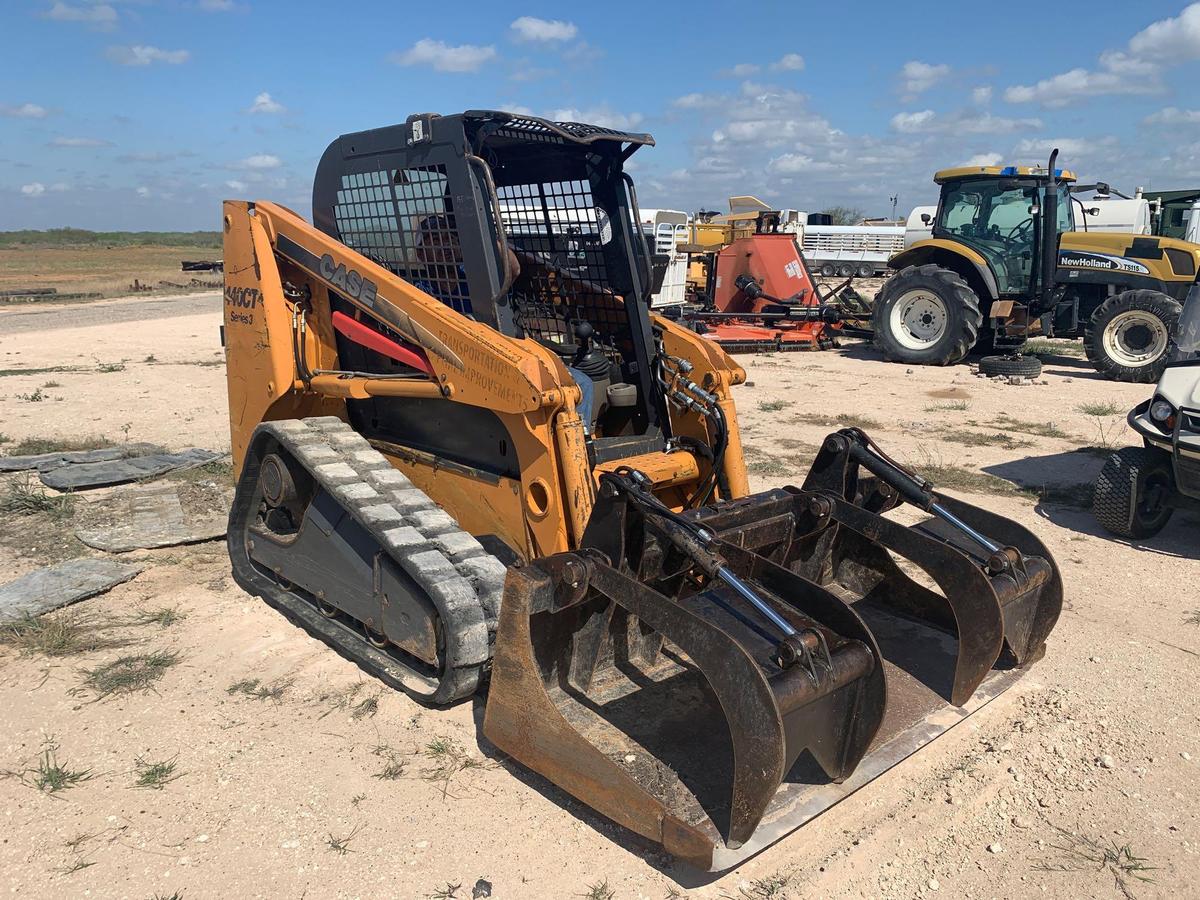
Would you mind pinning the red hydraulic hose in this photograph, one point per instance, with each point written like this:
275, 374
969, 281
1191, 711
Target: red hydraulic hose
368, 337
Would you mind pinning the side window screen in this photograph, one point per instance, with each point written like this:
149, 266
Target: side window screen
404, 220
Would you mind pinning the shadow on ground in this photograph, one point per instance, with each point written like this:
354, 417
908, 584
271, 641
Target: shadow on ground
1065, 482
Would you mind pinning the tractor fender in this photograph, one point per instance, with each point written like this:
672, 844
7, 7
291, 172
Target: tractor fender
954, 256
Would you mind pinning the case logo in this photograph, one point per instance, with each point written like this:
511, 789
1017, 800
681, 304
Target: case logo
348, 281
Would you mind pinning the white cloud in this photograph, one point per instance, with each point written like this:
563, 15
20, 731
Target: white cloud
798, 163
1178, 37
917, 77
693, 101
144, 55
531, 28
443, 57
599, 115
741, 70
24, 111
1069, 148
35, 189
963, 122
98, 15
265, 105
234, 185
60, 187
1133, 71
1059, 90
789, 62
982, 95
984, 159
259, 162
912, 122
79, 142
1172, 115
143, 191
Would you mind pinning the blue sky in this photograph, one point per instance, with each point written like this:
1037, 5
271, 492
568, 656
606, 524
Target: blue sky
144, 114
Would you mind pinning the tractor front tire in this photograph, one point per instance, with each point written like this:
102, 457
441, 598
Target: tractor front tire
926, 316
1130, 498
1128, 336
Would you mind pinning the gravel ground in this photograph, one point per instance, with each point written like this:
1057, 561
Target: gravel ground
296, 776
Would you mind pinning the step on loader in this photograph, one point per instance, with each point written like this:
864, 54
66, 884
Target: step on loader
469, 456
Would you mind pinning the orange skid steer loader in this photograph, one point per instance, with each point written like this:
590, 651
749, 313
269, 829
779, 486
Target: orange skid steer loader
470, 457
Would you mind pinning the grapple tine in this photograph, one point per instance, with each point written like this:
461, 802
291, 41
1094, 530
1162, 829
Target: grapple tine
1031, 598
769, 715
859, 564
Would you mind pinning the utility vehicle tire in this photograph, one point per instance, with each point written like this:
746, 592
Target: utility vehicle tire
865, 271
1131, 493
828, 270
1129, 334
926, 315
1021, 366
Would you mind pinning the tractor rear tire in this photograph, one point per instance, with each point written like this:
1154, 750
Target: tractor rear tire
1020, 366
926, 316
1129, 499
1129, 334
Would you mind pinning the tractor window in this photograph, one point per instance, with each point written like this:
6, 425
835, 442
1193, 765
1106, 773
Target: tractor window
996, 221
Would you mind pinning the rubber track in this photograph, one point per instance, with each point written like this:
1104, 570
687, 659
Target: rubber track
461, 579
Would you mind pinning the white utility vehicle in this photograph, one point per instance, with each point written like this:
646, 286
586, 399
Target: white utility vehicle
1140, 487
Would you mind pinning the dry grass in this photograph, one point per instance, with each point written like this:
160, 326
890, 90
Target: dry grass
130, 674
155, 775
35, 446
256, 690
1108, 408
1039, 429
979, 439
1042, 347
1080, 853
26, 497
956, 405
847, 420
108, 271
64, 634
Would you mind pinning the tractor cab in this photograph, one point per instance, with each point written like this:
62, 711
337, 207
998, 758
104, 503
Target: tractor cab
998, 212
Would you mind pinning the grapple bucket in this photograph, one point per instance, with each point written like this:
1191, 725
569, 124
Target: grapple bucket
714, 696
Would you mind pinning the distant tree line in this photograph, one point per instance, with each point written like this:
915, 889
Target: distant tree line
79, 237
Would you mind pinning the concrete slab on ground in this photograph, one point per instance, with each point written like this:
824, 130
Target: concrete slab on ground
148, 516
54, 587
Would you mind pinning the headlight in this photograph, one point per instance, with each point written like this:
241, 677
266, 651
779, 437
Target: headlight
1162, 414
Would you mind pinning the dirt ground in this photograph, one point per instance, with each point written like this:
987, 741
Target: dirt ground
271, 767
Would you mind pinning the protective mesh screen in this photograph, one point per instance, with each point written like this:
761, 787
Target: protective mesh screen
558, 235
404, 220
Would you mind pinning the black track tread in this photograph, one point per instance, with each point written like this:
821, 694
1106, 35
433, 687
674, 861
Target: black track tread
955, 292
1021, 366
1166, 308
463, 581
1115, 496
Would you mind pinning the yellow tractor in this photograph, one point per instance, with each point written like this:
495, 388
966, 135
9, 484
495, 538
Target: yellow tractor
1005, 263
470, 456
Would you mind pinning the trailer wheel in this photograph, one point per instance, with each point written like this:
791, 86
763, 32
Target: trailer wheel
845, 270
828, 270
865, 271
926, 315
1129, 334
1132, 491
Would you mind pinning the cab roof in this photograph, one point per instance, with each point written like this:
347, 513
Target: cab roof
998, 172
